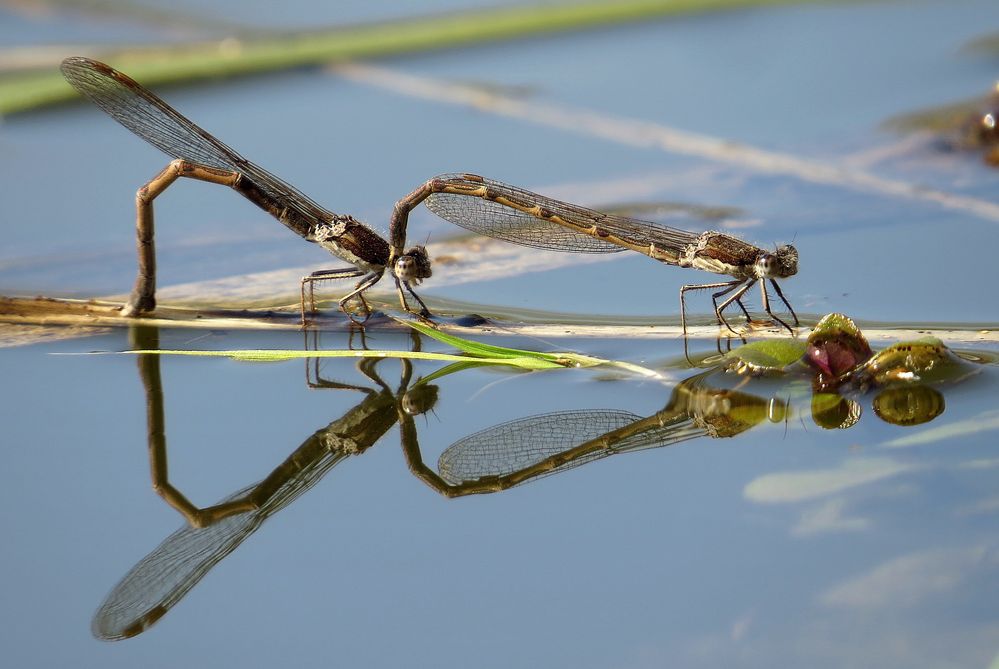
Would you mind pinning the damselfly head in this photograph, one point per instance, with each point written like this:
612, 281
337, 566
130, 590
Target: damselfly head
420, 399
414, 265
787, 260
780, 264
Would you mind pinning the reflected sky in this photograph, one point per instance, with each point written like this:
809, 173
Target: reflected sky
703, 552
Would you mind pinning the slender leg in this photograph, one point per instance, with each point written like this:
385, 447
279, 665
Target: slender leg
766, 306
402, 296
749, 319
728, 343
147, 338
424, 311
787, 304
326, 275
702, 286
362, 285
734, 298
359, 330
143, 297
721, 293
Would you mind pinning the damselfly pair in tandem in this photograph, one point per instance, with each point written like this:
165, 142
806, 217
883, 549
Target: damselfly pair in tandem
482, 205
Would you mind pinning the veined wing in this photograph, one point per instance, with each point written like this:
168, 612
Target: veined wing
518, 444
161, 579
153, 120
557, 441
516, 215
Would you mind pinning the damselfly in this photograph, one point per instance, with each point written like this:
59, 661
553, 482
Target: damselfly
530, 448
199, 155
516, 215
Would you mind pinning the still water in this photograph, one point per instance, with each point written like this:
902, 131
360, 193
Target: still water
745, 533
753, 537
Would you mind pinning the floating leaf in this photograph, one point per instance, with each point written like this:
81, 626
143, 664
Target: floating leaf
768, 356
925, 360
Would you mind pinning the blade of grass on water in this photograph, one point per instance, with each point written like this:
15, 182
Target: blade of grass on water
562, 358
482, 354
280, 355
160, 64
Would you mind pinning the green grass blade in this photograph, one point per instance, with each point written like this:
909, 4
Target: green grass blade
280, 355
453, 368
478, 349
482, 354
162, 64
561, 359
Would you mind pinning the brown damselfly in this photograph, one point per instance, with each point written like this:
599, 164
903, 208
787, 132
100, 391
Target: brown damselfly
198, 155
512, 214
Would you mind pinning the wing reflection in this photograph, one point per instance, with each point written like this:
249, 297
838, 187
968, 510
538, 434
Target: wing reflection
162, 578
529, 448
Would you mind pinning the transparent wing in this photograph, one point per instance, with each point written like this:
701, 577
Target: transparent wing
505, 223
522, 443
153, 120
530, 219
558, 441
161, 579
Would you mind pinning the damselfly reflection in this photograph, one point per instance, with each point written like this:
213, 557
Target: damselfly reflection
526, 449
162, 578
491, 460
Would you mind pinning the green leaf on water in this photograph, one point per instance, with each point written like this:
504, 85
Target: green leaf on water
453, 368
478, 349
924, 360
767, 356
280, 355
481, 354
490, 351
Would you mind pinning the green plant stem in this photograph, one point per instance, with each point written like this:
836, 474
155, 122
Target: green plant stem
160, 65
